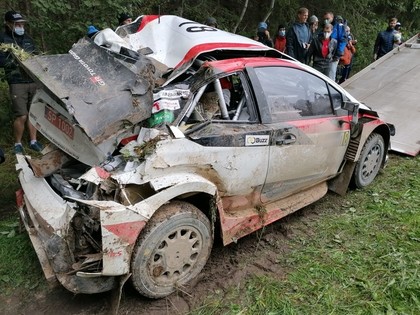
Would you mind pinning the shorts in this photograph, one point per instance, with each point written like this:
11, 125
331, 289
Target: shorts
21, 95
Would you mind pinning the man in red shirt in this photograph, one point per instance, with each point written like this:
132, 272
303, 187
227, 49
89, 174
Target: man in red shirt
322, 49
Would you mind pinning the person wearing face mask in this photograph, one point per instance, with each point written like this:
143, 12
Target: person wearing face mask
339, 34
322, 50
280, 39
21, 87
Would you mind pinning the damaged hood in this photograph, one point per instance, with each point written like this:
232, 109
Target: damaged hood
101, 93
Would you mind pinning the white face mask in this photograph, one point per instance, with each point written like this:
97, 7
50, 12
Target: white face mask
327, 35
19, 30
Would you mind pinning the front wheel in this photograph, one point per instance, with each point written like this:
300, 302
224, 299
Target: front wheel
370, 161
171, 250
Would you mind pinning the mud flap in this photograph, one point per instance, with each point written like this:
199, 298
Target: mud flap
340, 183
116, 294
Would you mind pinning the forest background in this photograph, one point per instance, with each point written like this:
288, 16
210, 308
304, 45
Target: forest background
56, 24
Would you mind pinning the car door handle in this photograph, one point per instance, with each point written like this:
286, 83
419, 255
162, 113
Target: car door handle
287, 138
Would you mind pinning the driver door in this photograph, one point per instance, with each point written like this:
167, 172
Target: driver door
308, 141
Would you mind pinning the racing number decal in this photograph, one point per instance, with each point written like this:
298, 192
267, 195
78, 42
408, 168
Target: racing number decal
198, 28
346, 138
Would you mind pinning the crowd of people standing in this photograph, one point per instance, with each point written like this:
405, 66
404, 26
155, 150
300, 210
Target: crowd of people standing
328, 44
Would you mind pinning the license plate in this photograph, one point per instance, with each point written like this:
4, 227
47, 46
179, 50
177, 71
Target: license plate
60, 123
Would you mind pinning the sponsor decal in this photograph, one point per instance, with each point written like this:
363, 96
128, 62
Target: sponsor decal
165, 104
95, 79
176, 93
257, 140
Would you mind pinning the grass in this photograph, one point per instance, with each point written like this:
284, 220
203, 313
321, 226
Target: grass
363, 259
19, 266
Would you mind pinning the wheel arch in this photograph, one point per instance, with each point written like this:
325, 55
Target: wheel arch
148, 246
386, 131
368, 127
341, 183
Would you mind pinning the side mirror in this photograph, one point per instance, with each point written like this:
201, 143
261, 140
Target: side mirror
353, 109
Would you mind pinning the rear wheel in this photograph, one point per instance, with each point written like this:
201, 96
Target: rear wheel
171, 250
370, 161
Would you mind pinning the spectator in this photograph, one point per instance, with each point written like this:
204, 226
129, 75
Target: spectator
339, 34
313, 24
280, 39
346, 61
21, 87
211, 21
398, 39
322, 49
263, 35
385, 40
124, 18
298, 37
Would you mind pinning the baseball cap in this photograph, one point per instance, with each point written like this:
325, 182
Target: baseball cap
13, 16
122, 17
262, 26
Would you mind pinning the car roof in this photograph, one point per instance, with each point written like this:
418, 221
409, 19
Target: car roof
177, 42
174, 40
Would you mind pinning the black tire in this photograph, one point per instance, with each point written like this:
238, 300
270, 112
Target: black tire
370, 161
171, 250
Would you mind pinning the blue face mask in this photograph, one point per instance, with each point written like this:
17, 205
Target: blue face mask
282, 33
19, 31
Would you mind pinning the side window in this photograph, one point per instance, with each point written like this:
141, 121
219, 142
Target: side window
223, 99
293, 93
336, 98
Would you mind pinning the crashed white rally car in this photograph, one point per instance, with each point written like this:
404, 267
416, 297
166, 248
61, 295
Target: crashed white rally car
173, 130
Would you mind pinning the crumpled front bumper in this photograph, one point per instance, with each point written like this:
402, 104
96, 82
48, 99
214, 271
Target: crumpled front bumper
47, 218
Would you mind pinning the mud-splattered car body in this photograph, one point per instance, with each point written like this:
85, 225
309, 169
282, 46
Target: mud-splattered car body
152, 152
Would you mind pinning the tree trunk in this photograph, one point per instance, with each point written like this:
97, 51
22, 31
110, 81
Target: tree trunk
270, 10
241, 16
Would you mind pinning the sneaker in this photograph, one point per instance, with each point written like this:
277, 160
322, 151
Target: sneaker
18, 149
36, 146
